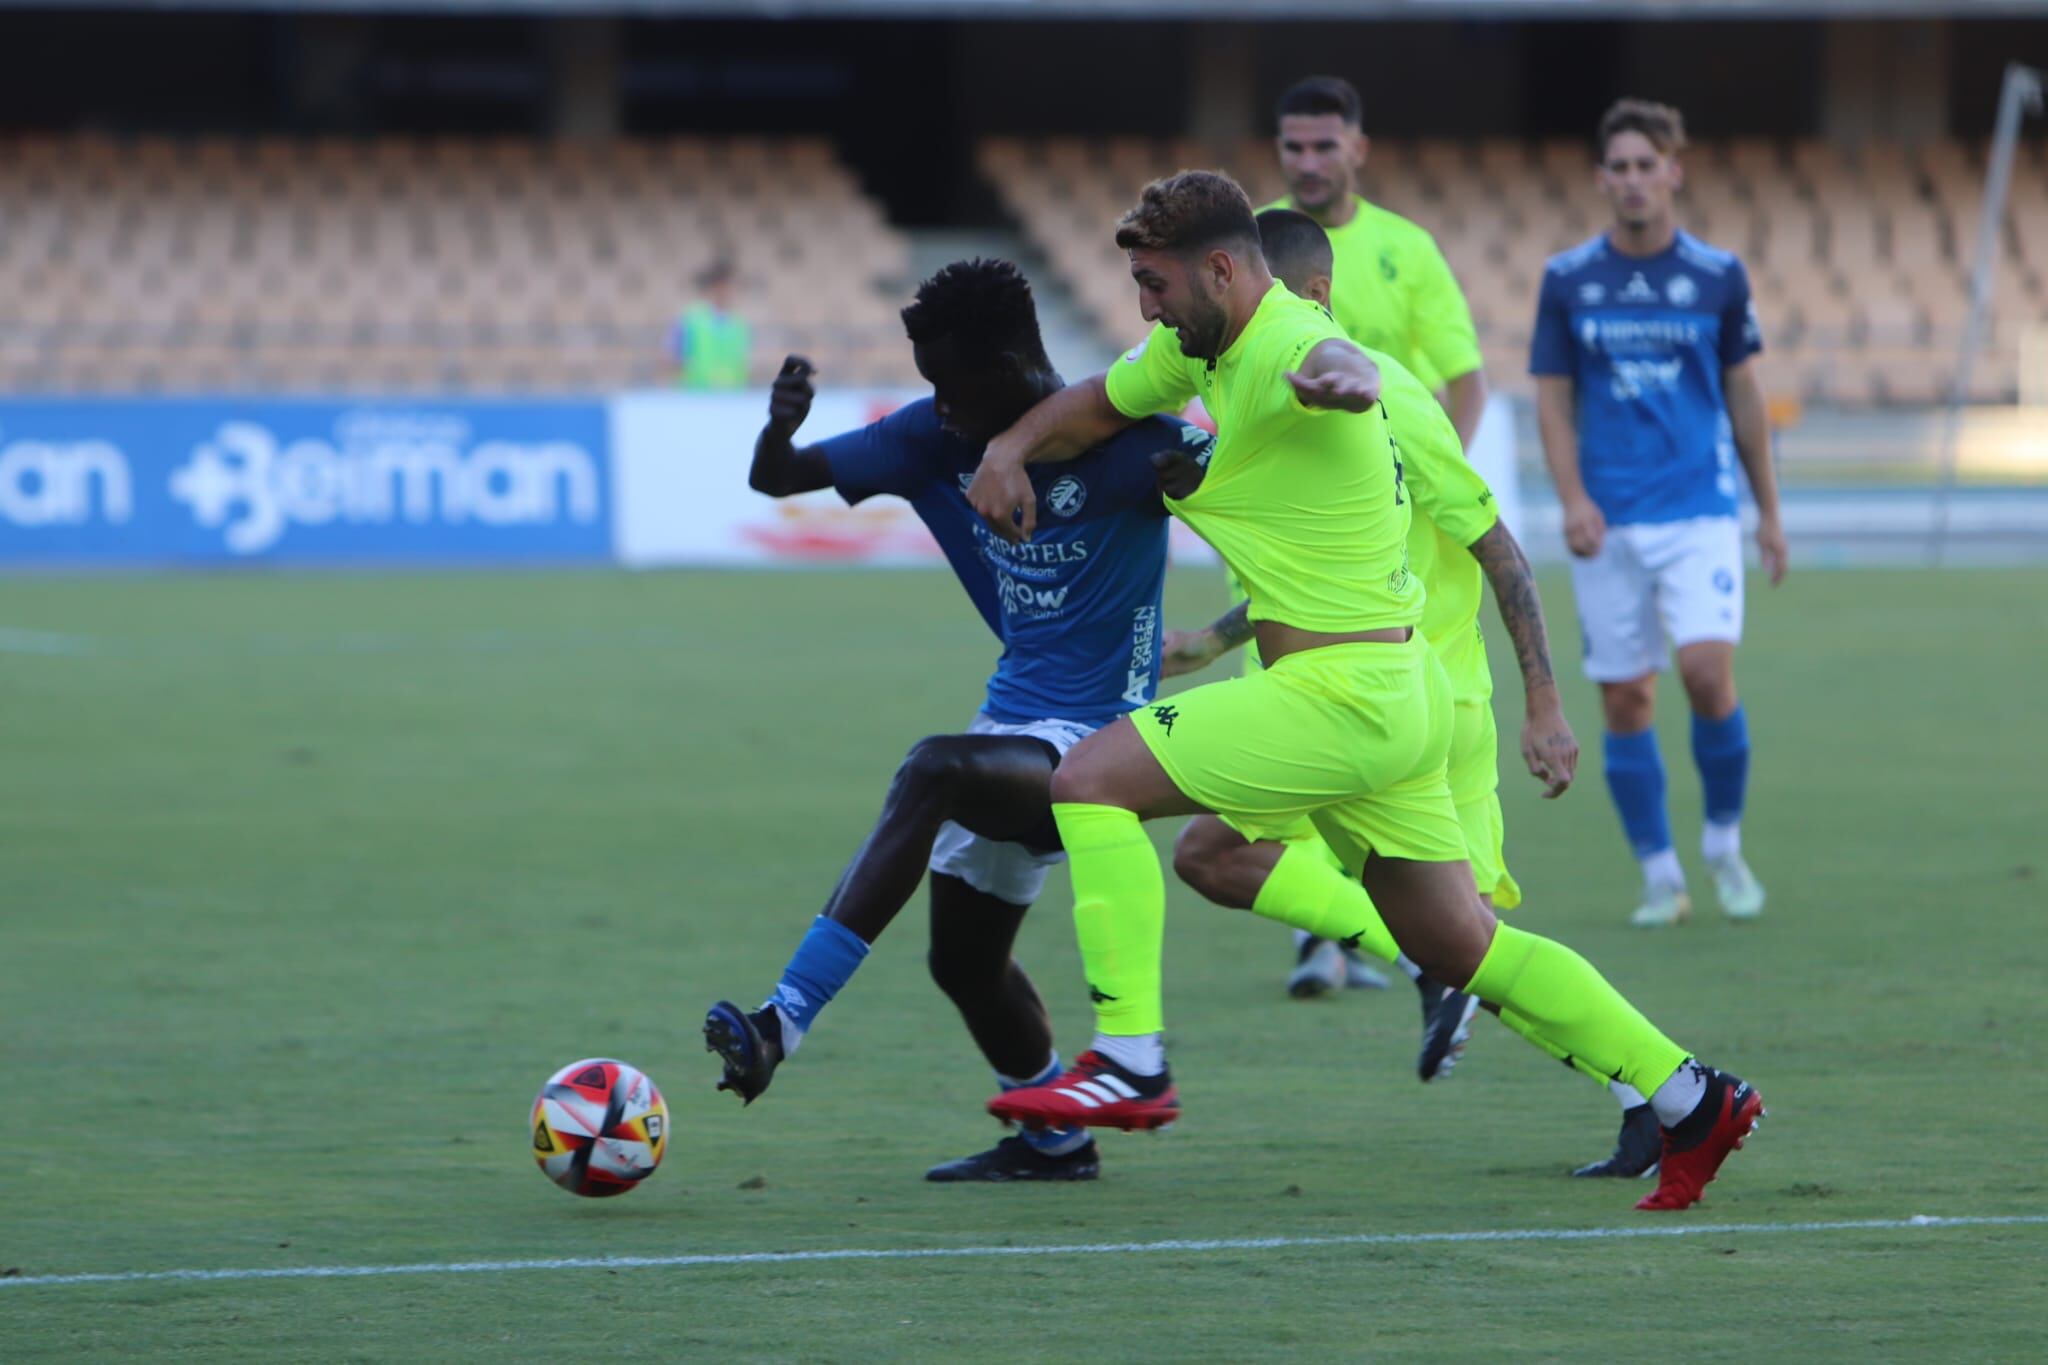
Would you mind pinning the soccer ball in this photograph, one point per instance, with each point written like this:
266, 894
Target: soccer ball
599, 1127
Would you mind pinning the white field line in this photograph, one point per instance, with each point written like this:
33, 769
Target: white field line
1363, 1239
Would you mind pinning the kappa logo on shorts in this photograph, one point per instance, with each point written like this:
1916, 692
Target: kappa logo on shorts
1166, 716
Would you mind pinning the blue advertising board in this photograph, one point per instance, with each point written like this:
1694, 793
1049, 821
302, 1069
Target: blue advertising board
221, 481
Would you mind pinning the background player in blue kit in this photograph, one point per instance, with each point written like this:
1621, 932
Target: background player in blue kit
1647, 396
1077, 612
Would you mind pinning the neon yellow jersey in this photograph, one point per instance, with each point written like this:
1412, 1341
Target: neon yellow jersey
1453, 508
1305, 505
1392, 291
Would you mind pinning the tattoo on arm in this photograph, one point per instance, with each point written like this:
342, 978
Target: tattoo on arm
1521, 610
1234, 627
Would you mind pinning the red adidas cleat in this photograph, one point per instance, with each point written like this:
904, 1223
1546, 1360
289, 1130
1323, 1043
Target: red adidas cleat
1687, 1169
1094, 1093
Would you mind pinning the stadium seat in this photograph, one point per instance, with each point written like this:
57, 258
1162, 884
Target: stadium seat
1858, 255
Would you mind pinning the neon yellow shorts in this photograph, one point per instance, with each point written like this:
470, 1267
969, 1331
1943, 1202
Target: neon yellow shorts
1347, 741
1475, 789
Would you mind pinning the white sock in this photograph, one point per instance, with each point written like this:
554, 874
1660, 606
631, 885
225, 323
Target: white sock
1661, 869
1142, 1054
792, 1036
1721, 841
1679, 1096
1407, 964
1626, 1095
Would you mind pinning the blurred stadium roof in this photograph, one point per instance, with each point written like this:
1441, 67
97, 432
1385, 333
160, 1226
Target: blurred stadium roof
1348, 10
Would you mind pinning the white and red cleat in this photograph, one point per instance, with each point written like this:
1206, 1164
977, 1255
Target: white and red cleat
1094, 1093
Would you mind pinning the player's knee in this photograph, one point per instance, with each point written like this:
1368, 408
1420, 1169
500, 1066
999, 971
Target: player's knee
1628, 707
1710, 687
1076, 784
934, 765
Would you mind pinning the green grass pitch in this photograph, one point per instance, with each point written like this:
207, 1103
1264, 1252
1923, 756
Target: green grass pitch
310, 881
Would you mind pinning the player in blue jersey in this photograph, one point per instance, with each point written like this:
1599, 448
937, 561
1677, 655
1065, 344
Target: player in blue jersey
1647, 397
1077, 612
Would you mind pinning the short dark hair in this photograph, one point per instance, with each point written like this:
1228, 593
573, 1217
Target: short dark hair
1296, 246
1663, 125
983, 306
1316, 95
1188, 211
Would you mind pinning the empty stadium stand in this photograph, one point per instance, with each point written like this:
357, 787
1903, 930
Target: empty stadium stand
1858, 258
410, 265
518, 265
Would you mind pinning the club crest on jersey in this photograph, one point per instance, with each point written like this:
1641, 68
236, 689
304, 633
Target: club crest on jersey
1066, 495
1682, 292
1638, 290
1591, 292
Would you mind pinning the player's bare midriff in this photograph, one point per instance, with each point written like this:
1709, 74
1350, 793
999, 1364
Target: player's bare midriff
1277, 639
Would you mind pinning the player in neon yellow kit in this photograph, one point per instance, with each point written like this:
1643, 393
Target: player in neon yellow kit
1345, 733
1455, 541
1393, 292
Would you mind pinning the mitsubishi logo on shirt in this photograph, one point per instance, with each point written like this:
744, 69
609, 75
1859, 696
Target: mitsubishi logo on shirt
1638, 290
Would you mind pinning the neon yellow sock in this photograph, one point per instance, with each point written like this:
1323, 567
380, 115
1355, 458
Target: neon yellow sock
1523, 1025
1307, 888
1561, 996
1119, 914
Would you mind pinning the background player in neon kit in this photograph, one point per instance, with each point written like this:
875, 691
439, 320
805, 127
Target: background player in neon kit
1646, 394
1393, 293
1217, 861
1393, 290
1078, 617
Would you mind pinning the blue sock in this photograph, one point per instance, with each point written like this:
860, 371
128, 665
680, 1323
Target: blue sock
824, 962
1050, 1141
1635, 778
1721, 749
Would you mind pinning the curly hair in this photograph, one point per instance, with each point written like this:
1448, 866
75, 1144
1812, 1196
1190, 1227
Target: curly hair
982, 306
1663, 125
1188, 211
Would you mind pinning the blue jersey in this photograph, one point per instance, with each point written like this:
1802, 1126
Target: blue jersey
1644, 340
1077, 609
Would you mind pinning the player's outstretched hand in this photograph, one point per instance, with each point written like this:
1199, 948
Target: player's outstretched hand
1771, 550
1585, 528
789, 398
1002, 494
1179, 473
1336, 389
1188, 651
1551, 750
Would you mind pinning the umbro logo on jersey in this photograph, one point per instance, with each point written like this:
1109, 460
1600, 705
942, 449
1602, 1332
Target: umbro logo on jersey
1166, 716
1638, 290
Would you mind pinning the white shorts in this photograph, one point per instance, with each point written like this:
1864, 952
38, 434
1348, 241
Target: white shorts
1675, 580
1010, 872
